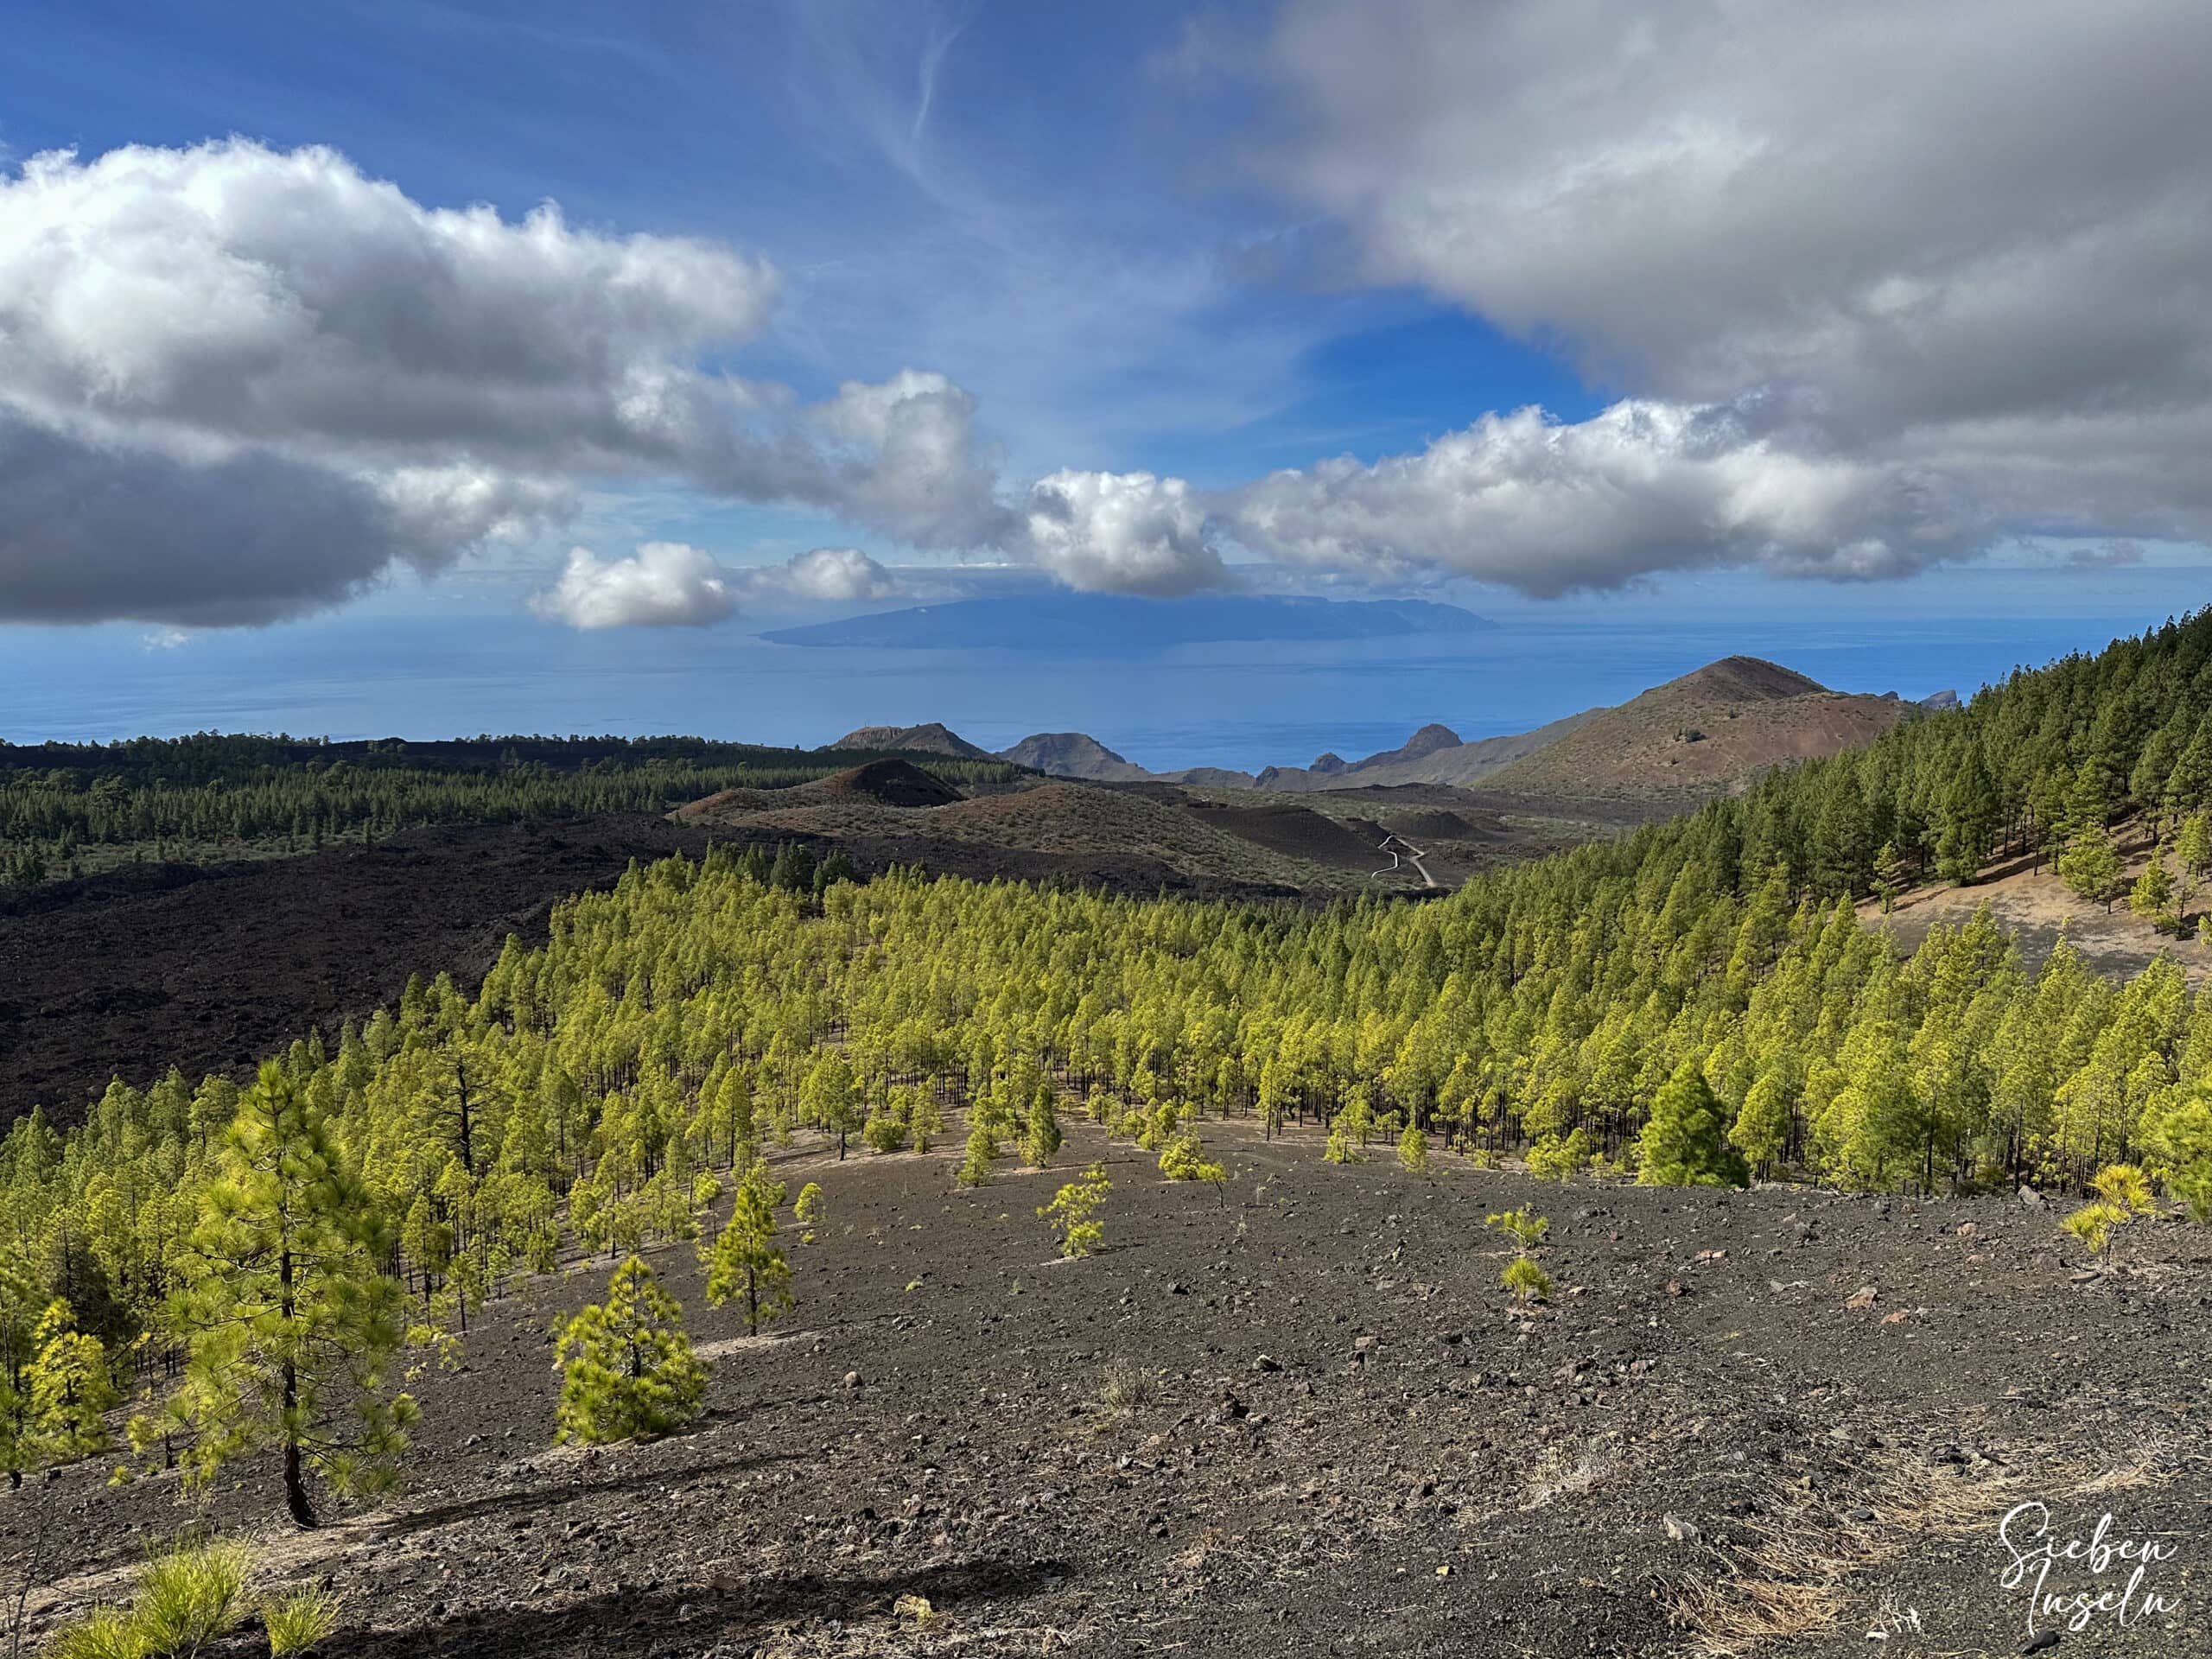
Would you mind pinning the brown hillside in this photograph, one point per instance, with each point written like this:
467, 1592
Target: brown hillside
1137, 837
890, 783
1706, 732
1426, 757
931, 739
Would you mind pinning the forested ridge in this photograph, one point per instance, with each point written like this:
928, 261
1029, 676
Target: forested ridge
1700, 1001
213, 793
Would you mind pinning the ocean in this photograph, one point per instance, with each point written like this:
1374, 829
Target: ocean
365, 674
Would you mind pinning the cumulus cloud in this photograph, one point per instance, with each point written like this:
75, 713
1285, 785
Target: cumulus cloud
1546, 508
1120, 532
826, 574
915, 467
400, 381
1926, 268
672, 584
662, 585
91, 528
235, 290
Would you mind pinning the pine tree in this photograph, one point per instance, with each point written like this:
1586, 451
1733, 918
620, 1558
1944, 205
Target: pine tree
289, 1319
807, 1210
628, 1368
1892, 875
71, 1392
1763, 1123
2192, 859
746, 1259
826, 1097
1041, 1137
1073, 1210
1413, 1149
983, 1151
2152, 896
2091, 867
1184, 1159
1684, 1142
1348, 1132
2181, 1139
1971, 812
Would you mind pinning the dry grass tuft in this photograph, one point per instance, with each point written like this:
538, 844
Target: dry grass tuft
1791, 1580
2154, 1460
1562, 1470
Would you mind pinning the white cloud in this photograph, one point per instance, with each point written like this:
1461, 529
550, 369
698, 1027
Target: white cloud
234, 292
913, 466
668, 584
1643, 486
1908, 276
824, 575
1120, 532
663, 584
405, 382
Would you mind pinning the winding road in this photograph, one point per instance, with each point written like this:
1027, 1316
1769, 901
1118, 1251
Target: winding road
1414, 856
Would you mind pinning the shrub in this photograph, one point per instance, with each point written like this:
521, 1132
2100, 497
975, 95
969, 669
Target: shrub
1071, 1209
628, 1368
2123, 1192
1184, 1159
1522, 1276
186, 1598
190, 1596
976, 1168
1525, 1227
1525, 1278
1413, 1150
1551, 1158
885, 1130
299, 1622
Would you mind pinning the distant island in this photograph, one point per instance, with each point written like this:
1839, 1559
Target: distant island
1123, 625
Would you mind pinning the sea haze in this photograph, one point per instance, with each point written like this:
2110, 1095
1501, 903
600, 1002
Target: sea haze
1245, 704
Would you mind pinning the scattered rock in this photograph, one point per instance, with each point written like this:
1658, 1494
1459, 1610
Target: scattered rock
1862, 1297
1682, 1530
1264, 1364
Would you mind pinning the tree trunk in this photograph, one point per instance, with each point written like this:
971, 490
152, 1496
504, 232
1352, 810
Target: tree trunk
295, 1486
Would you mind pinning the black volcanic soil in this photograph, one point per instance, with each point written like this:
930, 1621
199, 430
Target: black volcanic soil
215, 968
1331, 1435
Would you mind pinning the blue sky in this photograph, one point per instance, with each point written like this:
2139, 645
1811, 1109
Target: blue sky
1153, 299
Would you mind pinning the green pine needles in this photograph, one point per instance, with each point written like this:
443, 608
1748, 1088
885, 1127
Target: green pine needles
1685, 1141
289, 1320
627, 1369
1073, 1210
745, 1260
1523, 1275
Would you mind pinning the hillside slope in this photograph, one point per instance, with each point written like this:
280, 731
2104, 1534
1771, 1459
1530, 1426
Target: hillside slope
1073, 754
1431, 755
1709, 731
931, 739
1135, 836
